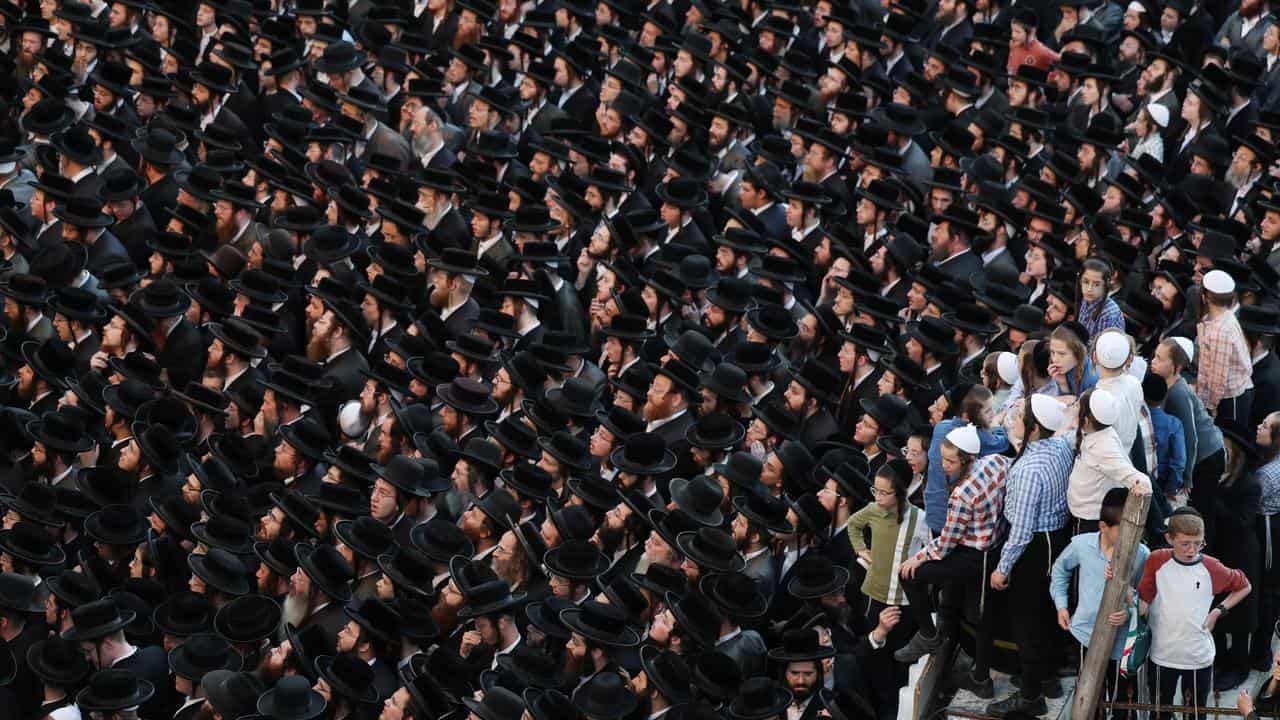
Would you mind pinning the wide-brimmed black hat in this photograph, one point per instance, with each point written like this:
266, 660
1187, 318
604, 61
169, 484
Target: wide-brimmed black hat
221, 570
97, 619
292, 698
327, 568
114, 689
735, 594
643, 453
763, 508
32, 544
567, 449
759, 698
201, 654
58, 662
711, 548
116, 525
441, 540
366, 536
248, 619
19, 594
576, 560
800, 645
816, 576
601, 623
184, 614
348, 676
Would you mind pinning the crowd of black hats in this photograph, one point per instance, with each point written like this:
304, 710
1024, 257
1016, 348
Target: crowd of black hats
438, 358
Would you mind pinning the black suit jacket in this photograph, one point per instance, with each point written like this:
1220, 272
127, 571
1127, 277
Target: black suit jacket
151, 664
960, 267
134, 233
450, 231
345, 372
1266, 388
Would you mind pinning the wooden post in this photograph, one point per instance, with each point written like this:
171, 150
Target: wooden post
1092, 673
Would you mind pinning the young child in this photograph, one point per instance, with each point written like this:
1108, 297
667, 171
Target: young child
898, 531
1090, 554
1225, 369
1177, 598
1097, 311
1170, 442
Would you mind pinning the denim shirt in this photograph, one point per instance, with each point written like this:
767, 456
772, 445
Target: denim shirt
1083, 553
936, 491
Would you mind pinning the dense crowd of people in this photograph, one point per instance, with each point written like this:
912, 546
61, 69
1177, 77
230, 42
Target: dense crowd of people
646, 359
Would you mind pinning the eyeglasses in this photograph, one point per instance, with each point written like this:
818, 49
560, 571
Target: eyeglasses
881, 493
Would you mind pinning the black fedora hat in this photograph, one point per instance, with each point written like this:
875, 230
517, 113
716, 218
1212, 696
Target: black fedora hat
815, 576
741, 469
226, 532
37, 503
20, 594
643, 453
248, 619
201, 654
605, 696
601, 623
348, 676
576, 560
221, 570
366, 536
410, 570
116, 525
184, 614
113, 689
292, 698
711, 548
735, 594
759, 698
764, 509
97, 619
59, 662
327, 569
528, 479
31, 544
441, 540
700, 497
567, 449
800, 645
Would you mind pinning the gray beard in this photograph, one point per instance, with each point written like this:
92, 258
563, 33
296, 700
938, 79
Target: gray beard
421, 144
1237, 180
296, 609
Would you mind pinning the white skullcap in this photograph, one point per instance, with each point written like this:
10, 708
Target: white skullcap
1217, 281
350, 421
965, 437
1047, 411
1112, 349
1188, 348
1007, 366
6, 168
1159, 114
1104, 407
1136, 7
1138, 368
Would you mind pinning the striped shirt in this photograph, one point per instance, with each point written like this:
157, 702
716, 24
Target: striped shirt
1224, 361
1269, 478
973, 510
1035, 495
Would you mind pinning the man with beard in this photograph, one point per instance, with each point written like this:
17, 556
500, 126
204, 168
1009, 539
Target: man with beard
385, 299
734, 251
727, 302
485, 520
667, 411
723, 143
133, 225
295, 462
1244, 28
453, 275
951, 25
1251, 157
426, 136
234, 208
318, 591
336, 339
1156, 85
807, 396
84, 223
804, 679
951, 243
24, 300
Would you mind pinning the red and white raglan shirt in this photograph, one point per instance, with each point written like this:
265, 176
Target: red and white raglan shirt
1181, 596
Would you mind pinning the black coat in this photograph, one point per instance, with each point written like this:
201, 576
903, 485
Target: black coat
345, 372
1266, 388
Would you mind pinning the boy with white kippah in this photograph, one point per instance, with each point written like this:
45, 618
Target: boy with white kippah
960, 554
1224, 379
1112, 354
1035, 508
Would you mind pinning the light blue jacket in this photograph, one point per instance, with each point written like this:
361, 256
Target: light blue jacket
1084, 554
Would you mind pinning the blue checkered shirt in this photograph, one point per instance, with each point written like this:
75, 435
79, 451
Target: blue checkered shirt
1035, 496
1108, 316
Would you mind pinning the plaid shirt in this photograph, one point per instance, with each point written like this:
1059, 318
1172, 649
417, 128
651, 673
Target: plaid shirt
973, 510
1108, 316
1226, 365
1035, 495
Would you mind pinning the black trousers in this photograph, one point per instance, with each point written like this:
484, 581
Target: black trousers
1032, 616
1204, 489
1163, 681
964, 569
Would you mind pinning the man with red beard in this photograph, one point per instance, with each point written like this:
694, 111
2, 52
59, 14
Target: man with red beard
234, 208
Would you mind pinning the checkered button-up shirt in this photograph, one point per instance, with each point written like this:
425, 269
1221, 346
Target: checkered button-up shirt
973, 509
1226, 365
1035, 496
1099, 316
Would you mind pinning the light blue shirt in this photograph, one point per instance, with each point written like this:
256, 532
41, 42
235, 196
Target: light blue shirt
1084, 554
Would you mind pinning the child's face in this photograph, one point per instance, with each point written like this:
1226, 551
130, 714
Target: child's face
1110, 532
1186, 548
